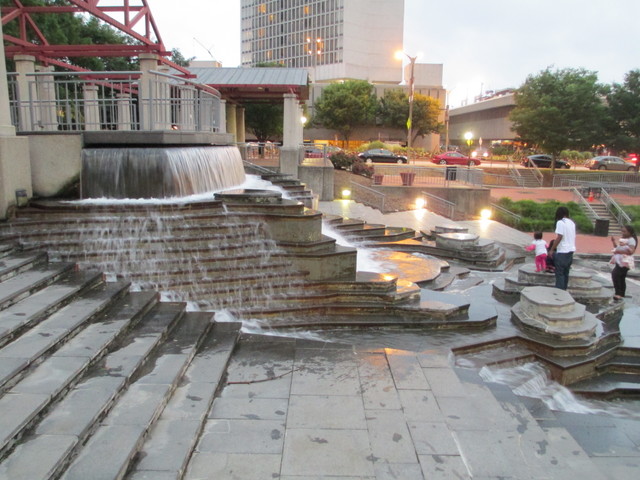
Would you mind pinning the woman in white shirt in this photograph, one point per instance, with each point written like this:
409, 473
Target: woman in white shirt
623, 251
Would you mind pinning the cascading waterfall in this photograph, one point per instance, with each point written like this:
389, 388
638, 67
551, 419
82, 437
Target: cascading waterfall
159, 172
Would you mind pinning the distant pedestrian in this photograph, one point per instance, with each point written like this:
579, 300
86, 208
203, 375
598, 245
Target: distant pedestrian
623, 250
563, 247
540, 247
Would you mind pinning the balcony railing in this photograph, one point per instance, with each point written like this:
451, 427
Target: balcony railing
92, 101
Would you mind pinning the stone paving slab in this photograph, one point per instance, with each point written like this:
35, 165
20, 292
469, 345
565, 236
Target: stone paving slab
18, 287
17, 411
233, 466
48, 449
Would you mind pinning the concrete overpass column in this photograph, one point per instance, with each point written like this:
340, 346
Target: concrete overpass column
291, 136
25, 64
123, 105
91, 107
47, 108
148, 61
15, 164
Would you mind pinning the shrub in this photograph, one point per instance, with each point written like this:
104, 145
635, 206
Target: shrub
343, 160
361, 168
541, 216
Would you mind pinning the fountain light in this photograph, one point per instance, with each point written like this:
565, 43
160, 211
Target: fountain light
346, 193
485, 214
420, 202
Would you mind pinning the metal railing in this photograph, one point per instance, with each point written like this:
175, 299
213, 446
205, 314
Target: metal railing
495, 180
514, 172
584, 205
614, 209
517, 218
601, 179
433, 175
367, 196
440, 206
66, 101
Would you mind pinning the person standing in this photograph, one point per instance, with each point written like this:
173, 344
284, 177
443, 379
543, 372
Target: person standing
623, 250
540, 247
563, 247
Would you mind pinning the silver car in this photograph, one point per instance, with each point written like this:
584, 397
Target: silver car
611, 163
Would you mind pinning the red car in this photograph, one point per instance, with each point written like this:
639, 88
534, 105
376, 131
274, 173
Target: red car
454, 158
633, 158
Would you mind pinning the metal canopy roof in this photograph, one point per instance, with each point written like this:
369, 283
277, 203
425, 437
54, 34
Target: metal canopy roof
244, 85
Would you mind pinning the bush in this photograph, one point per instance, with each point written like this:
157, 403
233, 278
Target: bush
502, 150
343, 160
541, 216
361, 168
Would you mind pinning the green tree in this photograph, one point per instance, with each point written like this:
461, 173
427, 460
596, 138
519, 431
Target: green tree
344, 106
561, 109
264, 120
624, 110
393, 111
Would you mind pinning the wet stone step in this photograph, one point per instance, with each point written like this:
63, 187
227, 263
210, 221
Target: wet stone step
21, 286
50, 333
171, 440
58, 372
34, 308
139, 407
16, 263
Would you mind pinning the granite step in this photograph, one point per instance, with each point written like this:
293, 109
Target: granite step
114, 444
170, 442
45, 384
47, 336
31, 310
12, 265
26, 283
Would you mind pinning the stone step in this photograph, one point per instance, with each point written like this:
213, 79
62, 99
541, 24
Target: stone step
47, 336
72, 420
26, 283
609, 386
170, 442
117, 440
12, 265
32, 309
29, 397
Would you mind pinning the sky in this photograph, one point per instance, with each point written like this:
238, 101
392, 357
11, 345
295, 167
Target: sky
483, 45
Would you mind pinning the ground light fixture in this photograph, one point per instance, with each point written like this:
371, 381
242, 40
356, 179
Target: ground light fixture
420, 202
346, 194
485, 214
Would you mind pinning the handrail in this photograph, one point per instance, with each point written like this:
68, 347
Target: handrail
620, 215
580, 200
442, 206
515, 216
536, 172
369, 191
514, 173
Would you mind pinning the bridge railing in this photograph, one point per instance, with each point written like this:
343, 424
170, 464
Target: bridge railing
64, 101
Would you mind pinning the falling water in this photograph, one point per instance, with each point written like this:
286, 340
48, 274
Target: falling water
159, 172
366, 261
533, 380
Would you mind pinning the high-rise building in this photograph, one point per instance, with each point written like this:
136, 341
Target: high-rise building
334, 39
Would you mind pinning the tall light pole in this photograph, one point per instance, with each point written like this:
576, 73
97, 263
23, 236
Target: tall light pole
412, 61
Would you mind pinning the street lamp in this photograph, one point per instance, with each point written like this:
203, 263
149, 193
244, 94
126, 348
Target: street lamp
412, 61
468, 136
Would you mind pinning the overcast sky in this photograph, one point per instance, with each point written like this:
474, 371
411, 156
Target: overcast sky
488, 45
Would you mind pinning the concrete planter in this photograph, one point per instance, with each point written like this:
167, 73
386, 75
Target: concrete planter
377, 178
407, 178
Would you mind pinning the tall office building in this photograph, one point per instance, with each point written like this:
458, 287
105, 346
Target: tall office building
334, 39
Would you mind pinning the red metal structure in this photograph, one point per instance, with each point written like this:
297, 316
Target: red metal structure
128, 16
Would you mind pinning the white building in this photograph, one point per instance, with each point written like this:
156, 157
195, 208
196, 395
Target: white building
334, 39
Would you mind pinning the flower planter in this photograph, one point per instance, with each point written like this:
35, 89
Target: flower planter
377, 178
407, 178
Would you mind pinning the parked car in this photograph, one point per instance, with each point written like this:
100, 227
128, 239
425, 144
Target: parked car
611, 163
633, 158
313, 152
381, 155
455, 158
543, 161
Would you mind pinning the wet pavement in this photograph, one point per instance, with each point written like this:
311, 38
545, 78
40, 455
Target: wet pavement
386, 404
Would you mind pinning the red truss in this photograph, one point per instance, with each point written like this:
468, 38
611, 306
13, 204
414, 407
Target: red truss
120, 14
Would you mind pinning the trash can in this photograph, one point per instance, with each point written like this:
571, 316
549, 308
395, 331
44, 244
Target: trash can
451, 173
601, 228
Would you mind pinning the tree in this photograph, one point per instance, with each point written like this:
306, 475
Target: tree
264, 120
560, 110
344, 106
624, 109
393, 111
